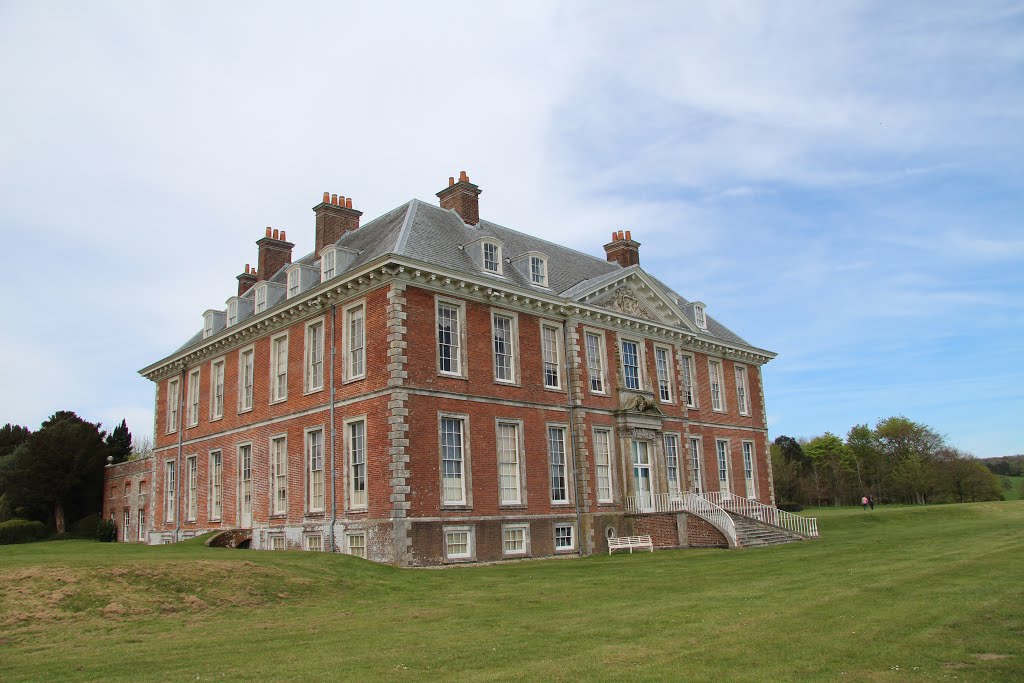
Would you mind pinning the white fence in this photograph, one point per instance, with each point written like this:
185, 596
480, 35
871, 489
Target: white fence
805, 526
685, 502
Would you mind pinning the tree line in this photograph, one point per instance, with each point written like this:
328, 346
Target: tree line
55, 474
897, 461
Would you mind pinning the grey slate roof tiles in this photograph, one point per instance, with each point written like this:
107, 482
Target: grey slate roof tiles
428, 233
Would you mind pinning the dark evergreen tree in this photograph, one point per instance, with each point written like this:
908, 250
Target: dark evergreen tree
57, 473
12, 436
119, 442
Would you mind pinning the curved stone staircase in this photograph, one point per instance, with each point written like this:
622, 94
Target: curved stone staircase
751, 533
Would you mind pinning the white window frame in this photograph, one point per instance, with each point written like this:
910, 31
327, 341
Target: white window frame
572, 537
311, 358
719, 465
313, 542
600, 361
559, 357
170, 491
142, 524
564, 464
217, 380
260, 299
666, 375
672, 455
716, 369
538, 276
497, 270
311, 497
173, 403
750, 463
742, 389
513, 345
246, 377
700, 316
605, 495
127, 524
294, 283
354, 351
357, 500
470, 554
518, 462
524, 528
232, 318
192, 402
216, 477
459, 338
278, 542
356, 550
697, 463
278, 477
641, 359
239, 461
207, 325
688, 368
466, 500
328, 256
191, 488
278, 387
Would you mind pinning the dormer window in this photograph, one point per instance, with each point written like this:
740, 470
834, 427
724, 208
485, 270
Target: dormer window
232, 312
492, 258
539, 271
261, 298
328, 263
699, 317
294, 279
207, 325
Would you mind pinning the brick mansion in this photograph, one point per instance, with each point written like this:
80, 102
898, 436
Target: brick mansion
430, 387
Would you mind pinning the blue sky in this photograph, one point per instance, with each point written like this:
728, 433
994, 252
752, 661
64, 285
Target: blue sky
840, 182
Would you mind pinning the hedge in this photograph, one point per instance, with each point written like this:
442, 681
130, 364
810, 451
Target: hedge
21, 531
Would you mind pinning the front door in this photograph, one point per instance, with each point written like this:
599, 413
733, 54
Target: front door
642, 476
245, 486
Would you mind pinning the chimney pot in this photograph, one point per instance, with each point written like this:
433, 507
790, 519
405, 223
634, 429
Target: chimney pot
334, 199
622, 249
327, 197
463, 178
283, 238
348, 202
275, 234
614, 235
628, 236
451, 180
268, 231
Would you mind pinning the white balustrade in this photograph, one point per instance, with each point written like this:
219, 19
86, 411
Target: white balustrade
805, 526
685, 502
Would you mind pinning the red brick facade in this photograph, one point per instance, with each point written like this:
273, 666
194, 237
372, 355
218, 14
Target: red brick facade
402, 398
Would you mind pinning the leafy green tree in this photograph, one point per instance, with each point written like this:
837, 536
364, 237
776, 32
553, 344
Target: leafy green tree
12, 436
910, 449
57, 473
831, 459
119, 442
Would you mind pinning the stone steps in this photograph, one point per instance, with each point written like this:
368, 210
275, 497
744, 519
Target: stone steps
752, 533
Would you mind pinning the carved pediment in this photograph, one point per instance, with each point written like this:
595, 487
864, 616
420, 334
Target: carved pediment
625, 300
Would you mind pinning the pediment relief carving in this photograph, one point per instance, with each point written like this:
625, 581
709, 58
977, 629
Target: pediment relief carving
625, 300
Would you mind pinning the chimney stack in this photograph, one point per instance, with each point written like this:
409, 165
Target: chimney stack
463, 197
334, 217
246, 280
275, 253
623, 250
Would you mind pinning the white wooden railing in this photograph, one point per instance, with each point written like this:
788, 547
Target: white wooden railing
685, 502
805, 526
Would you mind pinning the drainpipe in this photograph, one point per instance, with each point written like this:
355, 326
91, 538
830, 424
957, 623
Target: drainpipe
177, 465
572, 438
334, 500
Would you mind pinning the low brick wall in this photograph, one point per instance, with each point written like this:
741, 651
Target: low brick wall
702, 534
662, 528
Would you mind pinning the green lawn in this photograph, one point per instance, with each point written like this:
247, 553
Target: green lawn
1012, 493
931, 592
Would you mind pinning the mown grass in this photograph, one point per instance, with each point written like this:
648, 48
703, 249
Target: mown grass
934, 592
1015, 488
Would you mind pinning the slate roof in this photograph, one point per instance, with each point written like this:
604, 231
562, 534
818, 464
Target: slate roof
428, 233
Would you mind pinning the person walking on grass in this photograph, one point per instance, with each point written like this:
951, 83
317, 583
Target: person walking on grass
864, 502
871, 502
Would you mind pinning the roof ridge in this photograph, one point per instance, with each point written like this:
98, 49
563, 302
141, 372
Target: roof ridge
403, 234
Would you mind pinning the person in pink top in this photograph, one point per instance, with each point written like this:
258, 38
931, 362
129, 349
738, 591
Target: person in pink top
864, 502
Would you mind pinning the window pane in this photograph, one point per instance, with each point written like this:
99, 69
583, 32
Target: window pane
595, 364
503, 348
357, 463
603, 458
448, 338
451, 461
556, 452
356, 342
661, 359
631, 364
549, 353
508, 463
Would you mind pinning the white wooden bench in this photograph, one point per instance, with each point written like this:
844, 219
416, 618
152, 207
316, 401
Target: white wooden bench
630, 542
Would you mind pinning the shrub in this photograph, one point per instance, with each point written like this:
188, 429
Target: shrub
791, 507
21, 531
86, 526
106, 530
